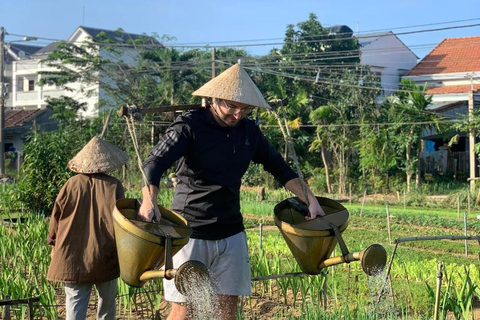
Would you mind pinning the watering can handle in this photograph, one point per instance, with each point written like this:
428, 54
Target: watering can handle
340, 241
298, 206
303, 209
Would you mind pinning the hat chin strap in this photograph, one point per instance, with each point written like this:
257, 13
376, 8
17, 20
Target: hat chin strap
218, 116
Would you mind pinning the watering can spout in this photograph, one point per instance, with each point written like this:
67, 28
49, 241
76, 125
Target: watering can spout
373, 259
313, 241
145, 247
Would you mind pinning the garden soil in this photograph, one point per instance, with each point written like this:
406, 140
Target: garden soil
260, 308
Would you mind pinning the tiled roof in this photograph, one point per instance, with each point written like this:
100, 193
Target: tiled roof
18, 118
453, 89
450, 56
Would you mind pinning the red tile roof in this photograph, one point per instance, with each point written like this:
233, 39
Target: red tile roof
453, 89
17, 118
450, 56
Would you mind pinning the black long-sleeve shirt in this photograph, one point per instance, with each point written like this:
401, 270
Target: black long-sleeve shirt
211, 162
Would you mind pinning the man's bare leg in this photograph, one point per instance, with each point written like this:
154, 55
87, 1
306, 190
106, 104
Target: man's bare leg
178, 311
227, 309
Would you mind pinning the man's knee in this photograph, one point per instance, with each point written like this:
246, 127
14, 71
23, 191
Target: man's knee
179, 311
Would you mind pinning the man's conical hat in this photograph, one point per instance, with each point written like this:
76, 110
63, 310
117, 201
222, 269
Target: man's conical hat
233, 84
98, 156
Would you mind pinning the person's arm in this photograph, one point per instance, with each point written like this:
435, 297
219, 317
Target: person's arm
58, 208
169, 149
295, 186
149, 209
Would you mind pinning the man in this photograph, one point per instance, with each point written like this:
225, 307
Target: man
214, 147
81, 231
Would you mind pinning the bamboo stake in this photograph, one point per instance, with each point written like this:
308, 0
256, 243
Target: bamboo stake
391, 289
7, 310
291, 148
438, 291
325, 291
105, 123
443, 237
458, 207
465, 228
363, 201
261, 236
468, 203
350, 192
388, 225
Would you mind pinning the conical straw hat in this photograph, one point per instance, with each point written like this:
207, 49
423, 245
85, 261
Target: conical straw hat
233, 84
98, 156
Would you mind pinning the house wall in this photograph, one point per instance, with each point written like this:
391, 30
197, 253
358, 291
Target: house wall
445, 80
390, 57
22, 95
22, 72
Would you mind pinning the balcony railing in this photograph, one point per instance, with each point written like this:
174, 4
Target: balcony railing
27, 95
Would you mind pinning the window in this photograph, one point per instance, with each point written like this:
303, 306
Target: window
31, 85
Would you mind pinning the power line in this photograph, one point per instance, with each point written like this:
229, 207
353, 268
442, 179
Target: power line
207, 44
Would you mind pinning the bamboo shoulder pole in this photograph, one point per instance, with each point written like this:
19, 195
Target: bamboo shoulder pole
444, 237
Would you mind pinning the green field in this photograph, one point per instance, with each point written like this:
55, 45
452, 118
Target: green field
343, 291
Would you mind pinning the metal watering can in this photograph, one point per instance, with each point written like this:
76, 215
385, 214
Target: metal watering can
145, 247
313, 241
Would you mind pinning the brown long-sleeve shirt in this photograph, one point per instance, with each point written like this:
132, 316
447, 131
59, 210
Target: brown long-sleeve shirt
81, 230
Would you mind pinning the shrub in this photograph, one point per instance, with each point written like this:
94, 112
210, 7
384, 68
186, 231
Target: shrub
45, 168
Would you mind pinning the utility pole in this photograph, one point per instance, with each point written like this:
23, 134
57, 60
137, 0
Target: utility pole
214, 71
471, 143
2, 100
471, 135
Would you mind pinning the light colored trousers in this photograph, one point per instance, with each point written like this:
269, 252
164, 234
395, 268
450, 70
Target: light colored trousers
77, 297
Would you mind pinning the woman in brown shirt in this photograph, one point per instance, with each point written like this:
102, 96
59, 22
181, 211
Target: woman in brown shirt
81, 230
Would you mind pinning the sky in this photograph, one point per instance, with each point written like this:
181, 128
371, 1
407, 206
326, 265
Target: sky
260, 24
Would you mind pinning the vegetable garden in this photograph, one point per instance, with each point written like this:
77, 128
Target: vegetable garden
341, 291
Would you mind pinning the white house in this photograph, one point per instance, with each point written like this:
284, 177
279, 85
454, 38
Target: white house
388, 57
22, 72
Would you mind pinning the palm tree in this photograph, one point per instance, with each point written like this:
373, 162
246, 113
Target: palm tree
412, 117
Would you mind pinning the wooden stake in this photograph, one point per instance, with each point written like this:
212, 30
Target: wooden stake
388, 225
458, 207
465, 226
363, 201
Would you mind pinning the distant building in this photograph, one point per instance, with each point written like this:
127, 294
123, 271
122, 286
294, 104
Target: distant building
26, 101
451, 71
23, 64
18, 122
388, 57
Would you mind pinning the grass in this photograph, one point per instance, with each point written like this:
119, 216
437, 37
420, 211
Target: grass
351, 294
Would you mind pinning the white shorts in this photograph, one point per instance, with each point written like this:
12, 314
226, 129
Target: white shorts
227, 261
